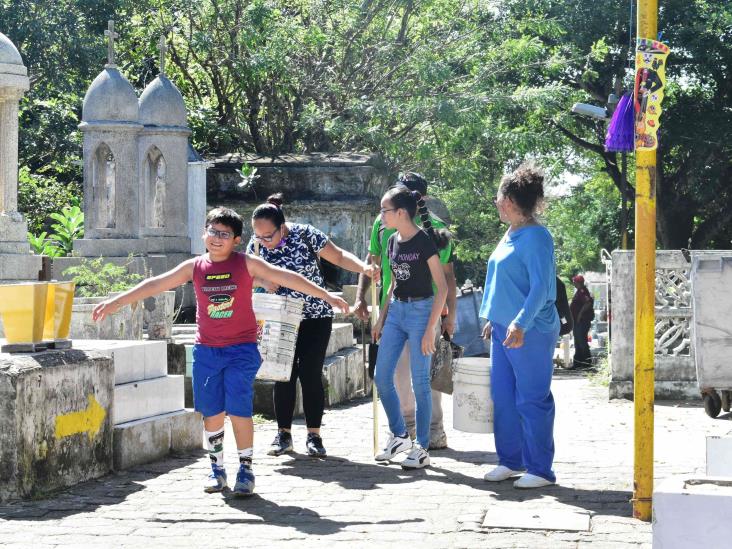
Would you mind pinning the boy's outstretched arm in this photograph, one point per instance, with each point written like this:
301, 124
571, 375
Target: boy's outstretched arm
152, 286
261, 269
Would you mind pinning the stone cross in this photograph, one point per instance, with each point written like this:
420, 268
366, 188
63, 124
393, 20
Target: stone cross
111, 35
163, 51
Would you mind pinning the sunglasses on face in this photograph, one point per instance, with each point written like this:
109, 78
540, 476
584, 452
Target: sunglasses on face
223, 235
267, 238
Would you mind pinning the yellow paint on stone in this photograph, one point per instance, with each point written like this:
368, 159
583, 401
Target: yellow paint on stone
87, 421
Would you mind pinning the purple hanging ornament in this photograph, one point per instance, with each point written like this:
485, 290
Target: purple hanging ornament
620, 135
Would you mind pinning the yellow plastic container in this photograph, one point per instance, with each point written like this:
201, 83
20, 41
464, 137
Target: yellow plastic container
23, 311
59, 301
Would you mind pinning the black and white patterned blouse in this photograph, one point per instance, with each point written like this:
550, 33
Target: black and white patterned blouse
294, 254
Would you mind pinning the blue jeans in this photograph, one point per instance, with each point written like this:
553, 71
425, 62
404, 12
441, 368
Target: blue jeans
523, 405
406, 323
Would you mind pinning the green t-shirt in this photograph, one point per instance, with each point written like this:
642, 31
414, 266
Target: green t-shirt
377, 246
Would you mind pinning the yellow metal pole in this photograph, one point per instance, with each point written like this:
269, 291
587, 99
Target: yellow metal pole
645, 285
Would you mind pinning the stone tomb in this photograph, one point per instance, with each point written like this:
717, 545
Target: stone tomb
149, 416
55, 420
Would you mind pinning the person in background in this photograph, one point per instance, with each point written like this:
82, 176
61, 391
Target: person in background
297, 247
523, 327
582, 315
378, 255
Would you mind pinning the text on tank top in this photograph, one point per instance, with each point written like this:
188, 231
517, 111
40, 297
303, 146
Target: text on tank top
224, 314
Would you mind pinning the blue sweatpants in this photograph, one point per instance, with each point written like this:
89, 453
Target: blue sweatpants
523, 402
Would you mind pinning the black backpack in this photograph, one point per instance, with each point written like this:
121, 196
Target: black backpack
565, 315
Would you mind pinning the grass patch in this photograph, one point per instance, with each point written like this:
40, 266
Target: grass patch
260, 419
601, 376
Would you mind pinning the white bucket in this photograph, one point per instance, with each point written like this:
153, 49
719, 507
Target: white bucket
278, 320
472, 406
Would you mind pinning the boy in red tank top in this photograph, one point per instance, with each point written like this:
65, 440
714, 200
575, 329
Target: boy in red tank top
225, 356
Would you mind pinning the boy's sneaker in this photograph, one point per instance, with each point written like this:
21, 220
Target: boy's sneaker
216, 480
244, 481
395, 445
315, 446
417, 458
282, 443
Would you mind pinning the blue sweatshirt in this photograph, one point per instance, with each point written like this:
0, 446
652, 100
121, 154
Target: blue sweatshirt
520, 285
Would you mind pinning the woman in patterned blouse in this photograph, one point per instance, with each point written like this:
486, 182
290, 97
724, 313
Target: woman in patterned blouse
296, 247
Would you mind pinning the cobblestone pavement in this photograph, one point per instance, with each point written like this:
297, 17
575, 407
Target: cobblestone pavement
349, 500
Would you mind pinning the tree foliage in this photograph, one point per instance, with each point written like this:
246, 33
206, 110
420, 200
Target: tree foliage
461, 90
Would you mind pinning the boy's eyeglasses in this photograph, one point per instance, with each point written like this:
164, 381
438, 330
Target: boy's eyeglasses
268, 238
223, 235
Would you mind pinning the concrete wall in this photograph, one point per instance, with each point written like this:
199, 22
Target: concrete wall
675, 372
337, 194
55, 420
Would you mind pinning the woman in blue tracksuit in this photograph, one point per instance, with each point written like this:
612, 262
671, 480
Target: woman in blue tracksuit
523, 327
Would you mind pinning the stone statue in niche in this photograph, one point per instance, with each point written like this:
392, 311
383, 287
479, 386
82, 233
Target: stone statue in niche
105, 183
158, 214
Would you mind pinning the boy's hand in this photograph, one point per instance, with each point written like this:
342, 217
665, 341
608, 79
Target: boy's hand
337, 303
104, 309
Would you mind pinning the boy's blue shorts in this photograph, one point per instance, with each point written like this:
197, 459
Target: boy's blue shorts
223, 379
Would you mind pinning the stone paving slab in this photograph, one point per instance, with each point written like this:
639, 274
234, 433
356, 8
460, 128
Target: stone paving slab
348, 500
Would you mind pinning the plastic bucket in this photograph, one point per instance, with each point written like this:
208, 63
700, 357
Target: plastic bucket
472, 406
278, 320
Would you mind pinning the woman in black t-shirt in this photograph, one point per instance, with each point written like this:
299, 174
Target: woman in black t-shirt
410, 315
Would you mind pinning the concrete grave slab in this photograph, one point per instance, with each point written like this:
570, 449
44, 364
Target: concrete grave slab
569, 519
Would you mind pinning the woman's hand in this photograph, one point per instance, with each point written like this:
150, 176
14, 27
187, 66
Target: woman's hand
428, 341
514, 337
337, 303
487, 329
105, 308
376, 329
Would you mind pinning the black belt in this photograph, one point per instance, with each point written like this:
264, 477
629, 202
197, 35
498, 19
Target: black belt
412, 299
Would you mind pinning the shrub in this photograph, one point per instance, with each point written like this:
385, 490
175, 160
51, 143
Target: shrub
39, 196
94, 277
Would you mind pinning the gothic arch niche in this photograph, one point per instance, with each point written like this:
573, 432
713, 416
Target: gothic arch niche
104, 187
155, 188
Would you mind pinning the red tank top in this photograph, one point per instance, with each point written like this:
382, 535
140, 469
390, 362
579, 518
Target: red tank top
224, 314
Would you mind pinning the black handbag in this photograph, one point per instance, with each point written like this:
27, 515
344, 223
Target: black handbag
446, 352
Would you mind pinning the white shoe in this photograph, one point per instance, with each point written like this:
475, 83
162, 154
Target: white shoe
500, 473
417, 458
531, 481
396, 445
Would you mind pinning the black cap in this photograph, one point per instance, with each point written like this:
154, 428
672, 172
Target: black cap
414, 182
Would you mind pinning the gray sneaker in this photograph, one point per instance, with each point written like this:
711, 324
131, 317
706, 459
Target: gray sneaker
282, 443
438, 441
